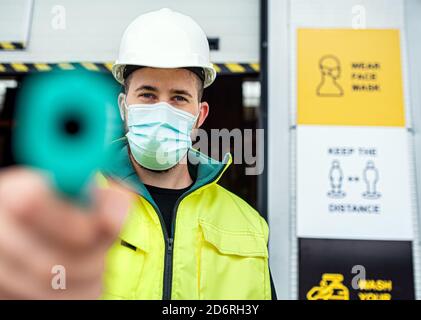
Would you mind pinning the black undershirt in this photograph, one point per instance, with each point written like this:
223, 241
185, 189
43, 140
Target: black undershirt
165, 199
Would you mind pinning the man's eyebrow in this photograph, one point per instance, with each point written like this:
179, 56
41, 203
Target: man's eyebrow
182, 92
147, 87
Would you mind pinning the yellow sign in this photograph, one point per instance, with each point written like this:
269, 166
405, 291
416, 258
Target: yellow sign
330, 288
349, 77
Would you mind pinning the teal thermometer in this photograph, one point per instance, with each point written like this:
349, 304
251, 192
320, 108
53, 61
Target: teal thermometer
65, 122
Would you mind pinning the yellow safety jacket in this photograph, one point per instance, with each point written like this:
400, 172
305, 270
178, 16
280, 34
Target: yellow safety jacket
217, 248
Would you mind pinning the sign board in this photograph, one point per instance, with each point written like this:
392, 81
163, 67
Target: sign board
353, 183
355, 270
349, 77
353, 202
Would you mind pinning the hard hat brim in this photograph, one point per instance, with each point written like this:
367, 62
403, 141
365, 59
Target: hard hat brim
210, 72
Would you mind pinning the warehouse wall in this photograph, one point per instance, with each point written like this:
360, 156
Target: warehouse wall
93, 28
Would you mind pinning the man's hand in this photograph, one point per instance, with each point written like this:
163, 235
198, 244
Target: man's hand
39, 230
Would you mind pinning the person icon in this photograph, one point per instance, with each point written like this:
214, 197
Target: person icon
371, 177
330, 69
336, 179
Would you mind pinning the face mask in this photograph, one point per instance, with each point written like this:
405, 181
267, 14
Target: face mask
159, 134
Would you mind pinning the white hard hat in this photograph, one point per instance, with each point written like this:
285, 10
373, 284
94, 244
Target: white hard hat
164, 39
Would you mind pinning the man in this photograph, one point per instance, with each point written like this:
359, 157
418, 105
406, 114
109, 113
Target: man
185, 237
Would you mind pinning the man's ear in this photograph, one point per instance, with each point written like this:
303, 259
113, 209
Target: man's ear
204, 111
122, 105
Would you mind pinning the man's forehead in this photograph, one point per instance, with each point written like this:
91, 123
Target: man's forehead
148, 73
168, 79
158, 73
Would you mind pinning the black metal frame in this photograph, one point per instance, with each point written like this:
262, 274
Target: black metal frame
262, 199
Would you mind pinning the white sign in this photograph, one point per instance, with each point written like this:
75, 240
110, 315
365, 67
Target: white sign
353, 183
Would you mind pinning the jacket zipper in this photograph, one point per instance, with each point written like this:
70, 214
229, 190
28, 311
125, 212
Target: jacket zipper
169, 248
169, 241
166, 294
168, 271
170, 252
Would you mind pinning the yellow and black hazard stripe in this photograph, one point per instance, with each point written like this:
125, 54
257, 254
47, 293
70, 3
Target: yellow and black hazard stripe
23, 67
20, 67
225, 68
5, 45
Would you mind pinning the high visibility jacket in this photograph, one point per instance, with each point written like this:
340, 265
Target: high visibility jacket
217, 248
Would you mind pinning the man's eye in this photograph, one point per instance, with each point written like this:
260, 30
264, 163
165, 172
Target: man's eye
147, 95
180, 98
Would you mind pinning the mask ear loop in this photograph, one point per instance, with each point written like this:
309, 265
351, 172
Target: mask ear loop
197, 117
122, 105
194, 133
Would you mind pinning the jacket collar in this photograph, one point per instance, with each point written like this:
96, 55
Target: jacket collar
209, 170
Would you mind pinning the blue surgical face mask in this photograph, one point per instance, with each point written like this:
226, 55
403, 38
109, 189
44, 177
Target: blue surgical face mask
159, 134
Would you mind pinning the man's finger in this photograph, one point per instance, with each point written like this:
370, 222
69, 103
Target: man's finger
22, 191
26, 196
